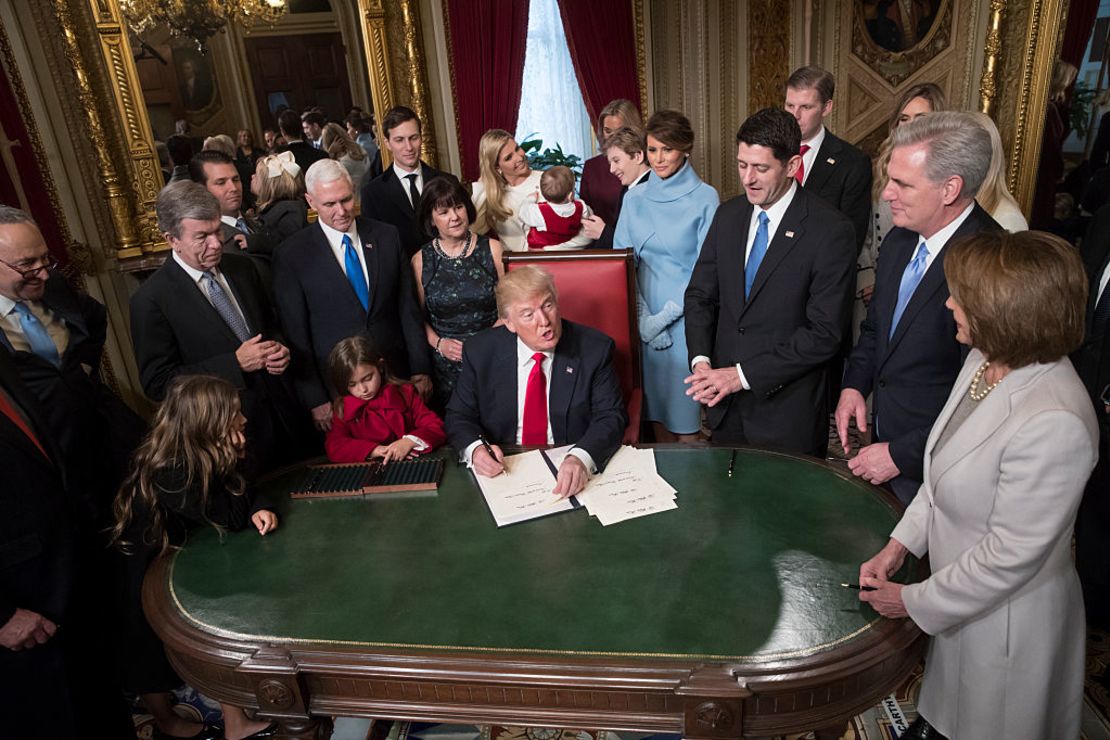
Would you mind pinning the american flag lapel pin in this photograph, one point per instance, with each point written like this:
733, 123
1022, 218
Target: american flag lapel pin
570, 370
830, 160
790, 235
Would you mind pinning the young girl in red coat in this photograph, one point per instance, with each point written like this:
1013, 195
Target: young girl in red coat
375, 415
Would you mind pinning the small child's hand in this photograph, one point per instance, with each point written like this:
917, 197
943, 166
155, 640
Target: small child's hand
265, 521
398, 450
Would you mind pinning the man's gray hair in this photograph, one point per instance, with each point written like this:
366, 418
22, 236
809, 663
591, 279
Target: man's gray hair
10, 215
181, 200
955, 145
324, 171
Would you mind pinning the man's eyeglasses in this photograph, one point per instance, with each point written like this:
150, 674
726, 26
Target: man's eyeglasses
29, 273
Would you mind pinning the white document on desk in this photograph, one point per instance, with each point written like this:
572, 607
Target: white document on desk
630, 487
525, 493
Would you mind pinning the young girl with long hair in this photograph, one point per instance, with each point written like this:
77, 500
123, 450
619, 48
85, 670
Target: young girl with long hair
184, 474
375, 415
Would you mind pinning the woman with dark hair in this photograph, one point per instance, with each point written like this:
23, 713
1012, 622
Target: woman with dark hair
456, 273
1005, 467
665, 221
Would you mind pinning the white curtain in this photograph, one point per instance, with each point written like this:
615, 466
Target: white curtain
551, 105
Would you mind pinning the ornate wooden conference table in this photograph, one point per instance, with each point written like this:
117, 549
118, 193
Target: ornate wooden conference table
723, 618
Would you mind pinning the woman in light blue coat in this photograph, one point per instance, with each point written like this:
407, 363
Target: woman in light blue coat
665, 221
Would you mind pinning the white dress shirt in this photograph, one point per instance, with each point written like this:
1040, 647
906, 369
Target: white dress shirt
402, 175
810, 157
936, 242
524, 364
335, 241
774, 218
196, 276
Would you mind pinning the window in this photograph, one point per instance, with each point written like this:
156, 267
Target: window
551, 105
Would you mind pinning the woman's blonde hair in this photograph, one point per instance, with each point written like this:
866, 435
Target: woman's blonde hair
993, 192
937, 102
283, 186
623, 109
335, 141
192, 432
493, 211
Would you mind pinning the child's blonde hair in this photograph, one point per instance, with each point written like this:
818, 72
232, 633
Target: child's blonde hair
192, 431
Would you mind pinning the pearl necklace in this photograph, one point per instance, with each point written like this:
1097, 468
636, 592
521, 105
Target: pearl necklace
438, 245
973, 390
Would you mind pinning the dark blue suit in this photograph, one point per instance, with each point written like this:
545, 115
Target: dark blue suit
318, 307
585, 405
911, 373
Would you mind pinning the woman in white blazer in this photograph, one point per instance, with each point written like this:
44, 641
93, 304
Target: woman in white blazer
1005, 467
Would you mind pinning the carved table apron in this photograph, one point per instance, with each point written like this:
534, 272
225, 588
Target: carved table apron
721, 619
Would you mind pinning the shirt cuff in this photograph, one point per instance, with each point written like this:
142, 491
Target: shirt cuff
743, 381
421, 445
700, 358
586, 459
468, 453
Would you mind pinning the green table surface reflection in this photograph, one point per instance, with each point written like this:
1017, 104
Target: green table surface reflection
747, 568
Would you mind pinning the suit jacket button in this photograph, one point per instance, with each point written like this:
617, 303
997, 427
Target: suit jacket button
741, 330
882, 384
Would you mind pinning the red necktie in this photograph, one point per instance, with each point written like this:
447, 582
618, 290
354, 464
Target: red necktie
8, 410
800, 175
534, 432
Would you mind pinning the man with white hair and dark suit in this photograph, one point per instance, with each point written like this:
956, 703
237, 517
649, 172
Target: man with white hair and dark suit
907, 356
344, 276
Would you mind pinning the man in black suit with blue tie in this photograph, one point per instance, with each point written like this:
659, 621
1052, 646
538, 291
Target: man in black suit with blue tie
537, 380
394, 195
765, 307
907, 356
344, 276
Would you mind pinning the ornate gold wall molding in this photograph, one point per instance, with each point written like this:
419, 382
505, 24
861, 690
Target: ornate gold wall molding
641, 52
392, 39
988, 83
768, 52
1021, 91
115, 181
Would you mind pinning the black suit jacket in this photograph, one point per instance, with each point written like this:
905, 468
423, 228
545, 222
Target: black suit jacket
304, 154
911, 373
841, 175
585, 405
785, 332
1092, 360
176, 331
318, 307
35, 525
384, 198
94, 430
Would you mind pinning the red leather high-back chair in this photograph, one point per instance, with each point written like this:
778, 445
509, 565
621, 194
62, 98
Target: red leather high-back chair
597, 288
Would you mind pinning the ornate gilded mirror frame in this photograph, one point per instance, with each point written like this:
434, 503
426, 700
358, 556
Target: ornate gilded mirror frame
1021, 45
398, 73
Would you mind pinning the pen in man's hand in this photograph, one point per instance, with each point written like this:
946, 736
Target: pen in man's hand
731, 462
858, 587
489, 451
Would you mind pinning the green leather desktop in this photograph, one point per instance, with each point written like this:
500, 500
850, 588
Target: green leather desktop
721, 619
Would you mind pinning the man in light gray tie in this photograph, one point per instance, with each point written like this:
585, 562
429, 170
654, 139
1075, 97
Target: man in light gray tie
907, 356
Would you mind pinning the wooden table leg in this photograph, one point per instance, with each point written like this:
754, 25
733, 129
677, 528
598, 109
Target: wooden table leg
833, 732
313, 728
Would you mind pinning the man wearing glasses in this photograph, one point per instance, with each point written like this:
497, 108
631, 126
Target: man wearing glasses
54, 338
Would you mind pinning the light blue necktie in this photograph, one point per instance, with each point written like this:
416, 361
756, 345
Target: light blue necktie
911, 278
759, 249
37, 336
225, 308
241, 224
354, 273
